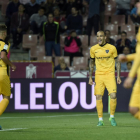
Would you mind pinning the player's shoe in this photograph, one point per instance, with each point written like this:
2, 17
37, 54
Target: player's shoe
113, 122
0, 127
100, 123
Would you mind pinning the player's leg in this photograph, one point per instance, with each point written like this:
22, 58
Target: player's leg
4, 103
99, 91
110, 84
134, 105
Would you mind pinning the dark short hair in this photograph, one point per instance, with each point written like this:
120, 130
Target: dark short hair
50, 14
106, 31
123, 32
3, 27
75, 8
22, 5
43, 8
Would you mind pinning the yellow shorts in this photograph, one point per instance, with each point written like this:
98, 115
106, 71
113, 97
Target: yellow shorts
135, 96
5, 86
106, 80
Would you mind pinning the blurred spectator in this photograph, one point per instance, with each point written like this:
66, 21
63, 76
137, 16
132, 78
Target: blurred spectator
36, 20
72, 46
52, 36
133, 46
31, 7
134, 16
68, 7
61, 66
126, 51
85, 8
123, 7
49, 6
61, 4
129, 65
93, 17
74, 22
108, 39
11, 8
121, 43
103, 3
19, 25
61, 20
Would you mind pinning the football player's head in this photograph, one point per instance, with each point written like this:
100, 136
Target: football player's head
3, 31
101, 38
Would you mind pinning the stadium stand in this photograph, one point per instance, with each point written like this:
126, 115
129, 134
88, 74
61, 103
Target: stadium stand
130, 29
29, 41
80, 63
118, 20
44, 58
66, 58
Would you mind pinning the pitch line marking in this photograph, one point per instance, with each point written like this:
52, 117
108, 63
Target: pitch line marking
51, 116
12, 129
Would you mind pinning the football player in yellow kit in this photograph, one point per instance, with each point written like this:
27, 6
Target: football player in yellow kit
104, 55
134, 104
5, 87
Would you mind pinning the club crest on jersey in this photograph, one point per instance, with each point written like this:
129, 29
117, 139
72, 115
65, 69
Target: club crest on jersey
107, 51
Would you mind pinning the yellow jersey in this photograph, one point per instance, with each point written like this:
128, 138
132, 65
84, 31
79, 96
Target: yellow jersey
136, 65
4, 46
104, 58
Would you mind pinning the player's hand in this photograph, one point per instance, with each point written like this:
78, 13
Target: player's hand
13, 67
122, 58
90, 81
119, 80
128, 82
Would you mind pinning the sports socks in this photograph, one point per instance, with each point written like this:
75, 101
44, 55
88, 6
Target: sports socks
137, 115
113, 104
3, 105
99, 106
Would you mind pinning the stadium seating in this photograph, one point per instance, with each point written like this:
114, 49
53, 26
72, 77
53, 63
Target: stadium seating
44, 58
66, 58
84, 40
37, 51
62, 39
131, 37
110, 8
130, 22
80, 63
93, 40
85, 20
4, 1
29, 41
3, 9
113, 28
118, 20
130, 29
106, 19
115, 37
86, 52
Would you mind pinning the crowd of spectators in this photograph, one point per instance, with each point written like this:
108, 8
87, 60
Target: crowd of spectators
50, 18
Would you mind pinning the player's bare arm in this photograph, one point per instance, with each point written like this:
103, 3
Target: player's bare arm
91, 68
118, 65
7, 61
125, 58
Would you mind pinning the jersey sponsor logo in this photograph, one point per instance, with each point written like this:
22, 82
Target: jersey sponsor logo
30, 70
107, 51
103, 57
5, 47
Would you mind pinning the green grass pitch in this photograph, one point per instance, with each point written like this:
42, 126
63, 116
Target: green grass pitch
67, 126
